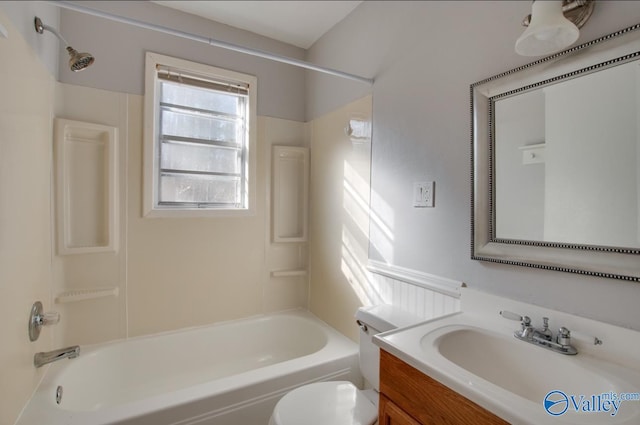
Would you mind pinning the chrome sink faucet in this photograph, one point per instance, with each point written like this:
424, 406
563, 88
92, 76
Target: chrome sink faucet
542, 337
42, 358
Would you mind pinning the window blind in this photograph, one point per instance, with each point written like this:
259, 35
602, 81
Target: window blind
202, 141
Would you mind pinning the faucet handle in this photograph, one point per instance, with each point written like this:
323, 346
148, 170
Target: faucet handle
38, 318
564, 337
525, 320
511, 316
49, 318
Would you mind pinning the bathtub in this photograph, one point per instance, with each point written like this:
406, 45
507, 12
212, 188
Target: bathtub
225, 374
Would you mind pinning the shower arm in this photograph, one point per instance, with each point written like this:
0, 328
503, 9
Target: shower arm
41, 27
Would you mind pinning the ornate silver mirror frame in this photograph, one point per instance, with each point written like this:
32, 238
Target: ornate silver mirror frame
603, 261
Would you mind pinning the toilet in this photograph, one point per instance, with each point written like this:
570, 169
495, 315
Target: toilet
341, 402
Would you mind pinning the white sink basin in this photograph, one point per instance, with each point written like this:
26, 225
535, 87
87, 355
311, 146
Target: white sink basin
521, 368
521, 382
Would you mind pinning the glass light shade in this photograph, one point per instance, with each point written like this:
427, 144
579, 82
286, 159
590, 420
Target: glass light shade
548, 32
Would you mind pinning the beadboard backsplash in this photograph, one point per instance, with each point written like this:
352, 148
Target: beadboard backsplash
425, 295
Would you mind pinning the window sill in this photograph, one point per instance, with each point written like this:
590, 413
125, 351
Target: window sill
198, 213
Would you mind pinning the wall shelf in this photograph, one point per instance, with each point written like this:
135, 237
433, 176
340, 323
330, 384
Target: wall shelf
86, 187
533, 154
290, 193
86, 294
288, 273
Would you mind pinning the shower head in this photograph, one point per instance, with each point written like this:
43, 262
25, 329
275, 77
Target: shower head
77, 61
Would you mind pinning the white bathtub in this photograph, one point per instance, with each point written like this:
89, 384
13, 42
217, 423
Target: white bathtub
231, 373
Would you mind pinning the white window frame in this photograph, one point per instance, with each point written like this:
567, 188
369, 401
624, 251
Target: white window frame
151, 208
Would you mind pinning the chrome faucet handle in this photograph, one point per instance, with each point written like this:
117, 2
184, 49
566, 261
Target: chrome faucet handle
38, 318
48, 318
564, 337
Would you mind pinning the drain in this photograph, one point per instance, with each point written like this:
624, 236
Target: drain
59, 394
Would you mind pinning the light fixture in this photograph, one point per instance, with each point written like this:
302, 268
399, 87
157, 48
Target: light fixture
553, 26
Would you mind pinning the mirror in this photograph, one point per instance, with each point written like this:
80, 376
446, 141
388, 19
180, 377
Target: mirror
556, 161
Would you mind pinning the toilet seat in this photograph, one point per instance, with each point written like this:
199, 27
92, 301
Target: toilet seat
325, 403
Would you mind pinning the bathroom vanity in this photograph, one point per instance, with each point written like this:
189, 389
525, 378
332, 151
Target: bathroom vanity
478, 367
409, 397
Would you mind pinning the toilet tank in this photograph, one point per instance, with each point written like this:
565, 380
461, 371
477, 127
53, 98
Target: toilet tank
374, 320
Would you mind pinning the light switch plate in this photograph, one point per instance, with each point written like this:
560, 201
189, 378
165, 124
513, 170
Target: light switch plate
423, 194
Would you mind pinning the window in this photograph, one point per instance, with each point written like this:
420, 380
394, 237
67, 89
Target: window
199, 139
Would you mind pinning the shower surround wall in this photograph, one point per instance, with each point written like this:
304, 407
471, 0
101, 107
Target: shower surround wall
178, 272
174, 273
27, 90
171, 273
87, 271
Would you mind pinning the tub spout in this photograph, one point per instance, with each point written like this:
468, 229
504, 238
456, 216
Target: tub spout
42, 358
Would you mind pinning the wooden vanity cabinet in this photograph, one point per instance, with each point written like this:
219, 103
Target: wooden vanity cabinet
409, 397
391, 414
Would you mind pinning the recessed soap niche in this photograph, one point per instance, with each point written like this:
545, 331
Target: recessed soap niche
290, 200
290, 193
86, 187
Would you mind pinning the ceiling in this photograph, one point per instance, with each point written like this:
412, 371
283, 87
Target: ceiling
299, 23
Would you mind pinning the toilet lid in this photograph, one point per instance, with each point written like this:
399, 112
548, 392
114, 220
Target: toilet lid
325, 403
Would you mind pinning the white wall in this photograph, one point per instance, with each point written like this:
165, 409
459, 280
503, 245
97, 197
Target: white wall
424, 56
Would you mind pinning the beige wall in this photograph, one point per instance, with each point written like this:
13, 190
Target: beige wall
96, 320
339, 228
174, 272
25, 226
171, 273
189, 272
193, 271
